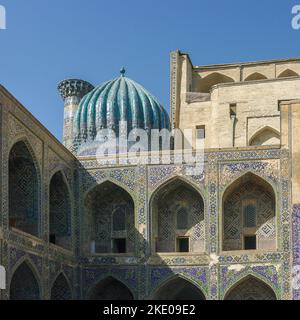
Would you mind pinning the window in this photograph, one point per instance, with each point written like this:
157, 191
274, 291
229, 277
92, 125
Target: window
200, 132
250, 242
156, 244
119, 217
182, 219
13, 222
250, 216
232, 108
119, 245
183, 244
52, 238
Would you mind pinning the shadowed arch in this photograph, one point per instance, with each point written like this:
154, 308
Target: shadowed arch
250, 288
110, 289
288, 73
177, 218
206, 83
60, 211
249, 214
102, 203
178, 288
256, 76
265, 136
61, 289
24, 283
23, 189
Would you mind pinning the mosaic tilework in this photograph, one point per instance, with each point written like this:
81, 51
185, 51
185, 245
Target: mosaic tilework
143, 218
102, 203
23, 190
284, 219
60, 211
24, 285
60, 289
168, 206
174, 75
296, 246
213, 245
92, 277
264, 222
197, 275
163, 173
110, 289
23, 246
232, 275
231, 171
251, 289
125, 177
16, 131
222, 168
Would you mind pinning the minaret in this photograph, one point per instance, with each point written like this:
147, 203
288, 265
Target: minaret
72, 91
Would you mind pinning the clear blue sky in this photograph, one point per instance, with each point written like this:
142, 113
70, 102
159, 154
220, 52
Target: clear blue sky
50, 40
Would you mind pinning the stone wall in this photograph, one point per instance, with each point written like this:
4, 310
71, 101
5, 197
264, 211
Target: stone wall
256, 102
21, 249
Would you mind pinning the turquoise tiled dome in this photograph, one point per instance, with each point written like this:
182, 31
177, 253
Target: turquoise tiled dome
120, 99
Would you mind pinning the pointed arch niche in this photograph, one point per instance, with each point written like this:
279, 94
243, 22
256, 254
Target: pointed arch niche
178, 288
110, 289
256, 76
249, 215
206, 83
61, 289
60, 212
177, 215
23, 190
111, 221
24, 284
251, 288
288, 73
265, 136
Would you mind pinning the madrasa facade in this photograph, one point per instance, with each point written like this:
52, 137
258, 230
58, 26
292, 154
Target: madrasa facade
75, 227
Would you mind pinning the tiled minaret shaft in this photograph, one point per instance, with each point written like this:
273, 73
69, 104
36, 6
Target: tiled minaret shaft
72, 91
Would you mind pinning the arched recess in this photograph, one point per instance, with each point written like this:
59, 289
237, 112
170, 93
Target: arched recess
23, 190
110, 289
60, 211
288, 73
256, 76
24, 283
104, 203
206, 83
61, 289
178, 288
265, 136
177, 218
250, 288
249, 215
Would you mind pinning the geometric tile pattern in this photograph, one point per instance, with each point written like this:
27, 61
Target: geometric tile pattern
24, 285
272, 267
60, 210
263, 220
251, 289
101, 204
174, 199
23, 190
61, 289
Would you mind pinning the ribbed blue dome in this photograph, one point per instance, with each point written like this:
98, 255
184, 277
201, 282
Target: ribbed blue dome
120, 99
